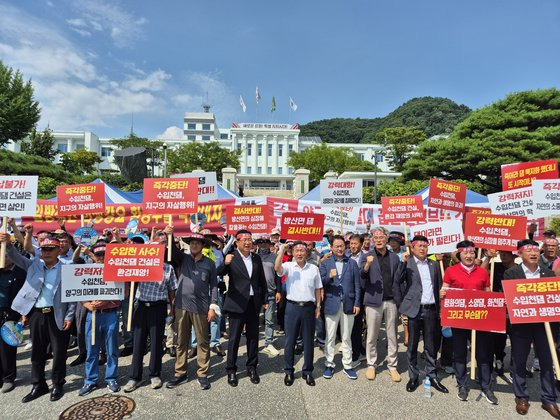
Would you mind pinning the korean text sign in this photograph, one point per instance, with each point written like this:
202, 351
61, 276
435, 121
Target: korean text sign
517, 202
495, 232
207, 185
302, 226
255, 219
18, 195
520, 175
546, 197
170, 195
474, 310
133, 262
533, 300
443, 236
447, 195
406, 208
80, 199
84, 282
341, 192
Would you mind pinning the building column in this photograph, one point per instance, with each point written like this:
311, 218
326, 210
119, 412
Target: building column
301, 182
275, 154
229, 179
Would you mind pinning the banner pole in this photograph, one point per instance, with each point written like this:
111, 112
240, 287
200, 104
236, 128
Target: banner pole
169, 240
3, 245
82, 220
341, 221
441, 268
473, 354
492, 274
406, 241
93, 327
552, 347
130, 305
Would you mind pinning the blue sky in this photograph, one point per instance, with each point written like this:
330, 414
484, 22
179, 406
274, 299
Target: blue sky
94, 63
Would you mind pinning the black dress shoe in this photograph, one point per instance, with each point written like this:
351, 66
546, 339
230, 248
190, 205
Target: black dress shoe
218, 350
298, 350
36, 392
438, 386
78, 360
57, 393
309, 380
102, 359
232, 379
254, 376
127, 351
289, 379
412, 385
173, 351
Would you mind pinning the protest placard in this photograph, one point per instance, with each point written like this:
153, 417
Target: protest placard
533, 300
341, 217
301, 226
170, 195
520, 175
403, 209
80, 199
447, 195
443, 236
495, 232
18, 196
255, 219
341, 192
133, 262
518, 202
474, 310
84, 282
207, 184
478, 210
546, 197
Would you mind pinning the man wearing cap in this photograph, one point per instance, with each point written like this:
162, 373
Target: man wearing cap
422, 279
39, 302
303, 291
522, 335
380, 275
195, 305
340, 276
246, 295
107, 327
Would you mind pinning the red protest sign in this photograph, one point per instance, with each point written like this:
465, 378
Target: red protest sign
478, 210
170, 195
80, 199
533, 300
474, 310
301, 226
406, 208
447, 195
519, 175
495, 232
133, 262
253, 218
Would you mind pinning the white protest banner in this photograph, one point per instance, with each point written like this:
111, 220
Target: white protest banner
518, 202
18, 196
546, 197
349, 217
341, 192
207, 184
84, 282
443, 236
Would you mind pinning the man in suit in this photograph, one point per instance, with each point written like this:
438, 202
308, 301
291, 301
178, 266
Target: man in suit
340, 276
422, 280
247, 291
522, 335
380, 278
39, 302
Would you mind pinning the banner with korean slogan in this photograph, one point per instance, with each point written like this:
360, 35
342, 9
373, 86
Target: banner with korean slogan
495, 232
84, 282
80, 199
341, 192
301, 226
546, 197
255, 219
133, 262
207, 184
533, 300
517, 202
521, 175
170, 195
18, 195
474, 310
447, 195
443, 236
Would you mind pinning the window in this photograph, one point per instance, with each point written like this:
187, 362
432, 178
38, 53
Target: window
259, 170
105, 151
249, 170
269, 150
249, 149
269, 170
80, 146
259, 149
279, 170
238, 147
290, 170
206, 126
280, 147
205, 137
191, 137
290, 148
62, 147
361, 156
223, 136
191, 126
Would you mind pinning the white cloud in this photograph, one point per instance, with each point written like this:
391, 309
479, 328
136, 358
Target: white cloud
172, 133
79, 23
153, 82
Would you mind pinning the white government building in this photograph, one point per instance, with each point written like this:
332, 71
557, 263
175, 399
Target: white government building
264, 149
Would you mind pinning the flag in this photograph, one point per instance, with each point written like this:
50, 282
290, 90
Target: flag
258, 95
242, 103
273, 106
293, 104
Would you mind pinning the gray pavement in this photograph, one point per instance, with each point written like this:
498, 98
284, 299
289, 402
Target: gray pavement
338, 397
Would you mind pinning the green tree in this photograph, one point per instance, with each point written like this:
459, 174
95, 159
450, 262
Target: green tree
19, 113
80, 162
154, 148
40, 144
321, 158
523, 127
206, 156
399, 143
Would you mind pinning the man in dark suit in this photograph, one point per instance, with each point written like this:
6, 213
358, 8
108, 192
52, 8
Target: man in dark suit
522, 335
422, 280
247, 290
